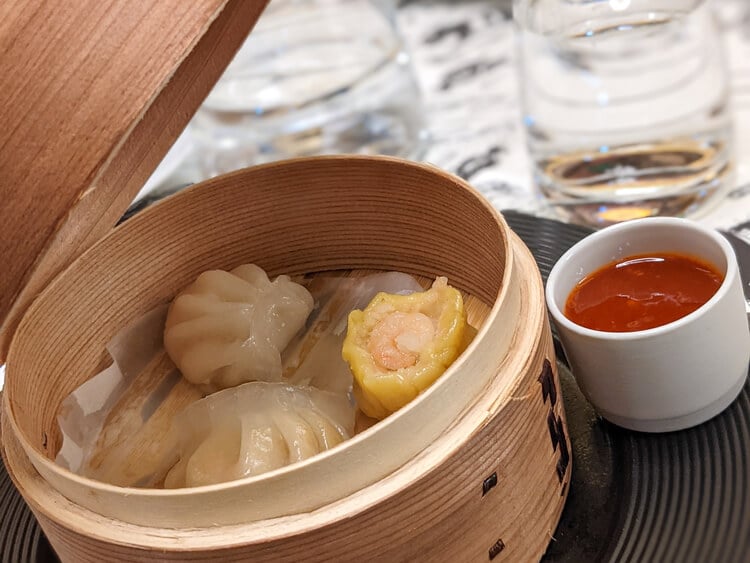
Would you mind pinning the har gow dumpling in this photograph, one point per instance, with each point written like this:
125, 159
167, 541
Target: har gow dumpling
229, 328
254, 428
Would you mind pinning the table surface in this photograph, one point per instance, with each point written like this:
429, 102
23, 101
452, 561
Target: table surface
464, 56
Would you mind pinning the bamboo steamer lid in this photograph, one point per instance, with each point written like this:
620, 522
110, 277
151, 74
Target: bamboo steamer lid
94, 94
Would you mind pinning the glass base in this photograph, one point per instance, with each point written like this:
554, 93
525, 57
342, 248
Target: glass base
679, 179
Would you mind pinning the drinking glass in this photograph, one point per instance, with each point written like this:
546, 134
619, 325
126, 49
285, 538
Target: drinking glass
626, 106
313, 77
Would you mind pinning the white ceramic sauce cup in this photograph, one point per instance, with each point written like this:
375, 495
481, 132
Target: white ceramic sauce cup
669, 377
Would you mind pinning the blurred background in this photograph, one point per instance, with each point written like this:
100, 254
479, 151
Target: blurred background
431, 80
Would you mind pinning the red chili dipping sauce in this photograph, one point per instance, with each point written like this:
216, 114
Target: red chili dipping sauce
642, 292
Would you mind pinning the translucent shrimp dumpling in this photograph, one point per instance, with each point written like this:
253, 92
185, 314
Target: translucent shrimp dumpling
229, 328
254, 428
400, 344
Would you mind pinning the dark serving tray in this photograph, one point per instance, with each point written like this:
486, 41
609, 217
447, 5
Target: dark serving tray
683, 496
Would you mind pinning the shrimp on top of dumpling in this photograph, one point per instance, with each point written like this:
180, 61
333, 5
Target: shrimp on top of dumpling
228, 328
400, 344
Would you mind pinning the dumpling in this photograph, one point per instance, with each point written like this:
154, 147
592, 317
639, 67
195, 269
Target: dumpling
254, 428
229, 328
400, 344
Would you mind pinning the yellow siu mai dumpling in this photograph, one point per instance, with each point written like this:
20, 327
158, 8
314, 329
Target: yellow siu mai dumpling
400, 344
229, 328
255, 428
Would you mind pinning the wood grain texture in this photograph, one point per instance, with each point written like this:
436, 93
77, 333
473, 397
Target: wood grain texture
94, 94
487, 415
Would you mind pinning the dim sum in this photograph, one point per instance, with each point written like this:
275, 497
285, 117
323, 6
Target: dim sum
229, 328
400, 344
254, 428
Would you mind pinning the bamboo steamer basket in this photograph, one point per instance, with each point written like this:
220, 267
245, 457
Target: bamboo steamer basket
418, 485
476, 468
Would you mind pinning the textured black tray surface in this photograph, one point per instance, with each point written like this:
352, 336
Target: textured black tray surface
683, 496
21, 538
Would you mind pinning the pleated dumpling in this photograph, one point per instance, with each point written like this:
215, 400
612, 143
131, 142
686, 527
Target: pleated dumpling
254, 428
229, 328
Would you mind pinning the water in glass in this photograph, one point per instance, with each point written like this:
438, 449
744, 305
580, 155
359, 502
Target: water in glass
314, 77
626, 106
